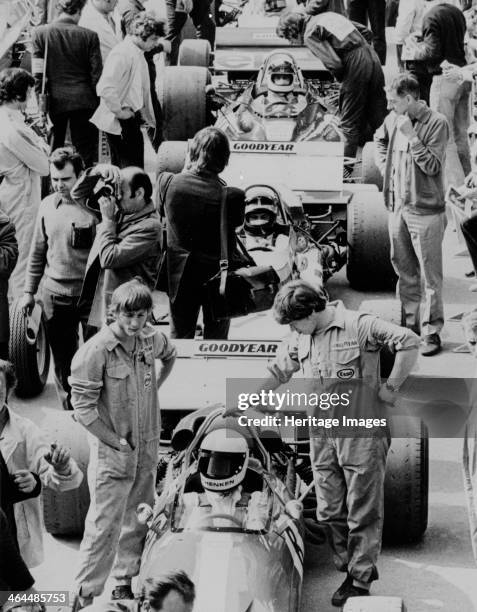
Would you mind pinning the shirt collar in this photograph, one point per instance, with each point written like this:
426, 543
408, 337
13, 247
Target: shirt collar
339, 316
59, 199
423, 112
112, 341
65, 19
128, 42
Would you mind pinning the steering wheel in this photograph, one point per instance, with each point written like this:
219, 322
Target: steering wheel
290, 106
227, 517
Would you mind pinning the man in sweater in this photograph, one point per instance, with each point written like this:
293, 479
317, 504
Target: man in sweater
410, 153
443, 32
64, 234
73, 67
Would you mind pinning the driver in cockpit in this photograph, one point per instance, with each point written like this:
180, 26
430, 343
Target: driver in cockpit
280, 83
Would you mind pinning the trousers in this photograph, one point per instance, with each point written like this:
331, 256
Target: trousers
201, 18
349, 483
451, 98
113, 538
374, 11
416, 255
84, 135
63, 318
127, 148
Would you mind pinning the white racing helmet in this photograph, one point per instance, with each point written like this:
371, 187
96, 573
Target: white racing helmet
223, 460
260, 199
280, 69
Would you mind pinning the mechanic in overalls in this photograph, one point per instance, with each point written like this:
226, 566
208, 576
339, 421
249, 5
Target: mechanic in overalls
114, 394
344, 51
330, 344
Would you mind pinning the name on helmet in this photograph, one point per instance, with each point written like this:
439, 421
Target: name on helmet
263, 147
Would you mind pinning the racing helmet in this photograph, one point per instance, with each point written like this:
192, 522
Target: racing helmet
260, 200
223, 460
280, 74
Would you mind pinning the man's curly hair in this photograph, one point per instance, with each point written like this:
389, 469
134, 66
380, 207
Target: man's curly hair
144, 26
70, 7
10, 376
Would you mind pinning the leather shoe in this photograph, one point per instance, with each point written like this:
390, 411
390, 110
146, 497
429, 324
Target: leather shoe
347, 590
430, 345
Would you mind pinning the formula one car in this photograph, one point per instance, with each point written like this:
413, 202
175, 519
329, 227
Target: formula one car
292, 139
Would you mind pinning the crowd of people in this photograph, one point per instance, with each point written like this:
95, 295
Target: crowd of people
107, 236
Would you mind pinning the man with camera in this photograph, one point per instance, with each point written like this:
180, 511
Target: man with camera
64, 234
127, 242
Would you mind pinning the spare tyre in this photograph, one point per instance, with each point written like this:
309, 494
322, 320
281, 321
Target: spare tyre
370, 174
171, 156
29, 349
194, 52
369, 261
64, 512
406, 484
183, 100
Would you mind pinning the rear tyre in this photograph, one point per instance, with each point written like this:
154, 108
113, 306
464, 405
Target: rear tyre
183, 101
171, 157
406, 484
29, 353
194, 52
370, 174
65, 512
369, 260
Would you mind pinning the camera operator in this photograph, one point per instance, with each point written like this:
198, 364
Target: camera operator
127, 240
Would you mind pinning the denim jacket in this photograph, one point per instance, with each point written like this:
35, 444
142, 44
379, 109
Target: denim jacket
424, 161
117, 387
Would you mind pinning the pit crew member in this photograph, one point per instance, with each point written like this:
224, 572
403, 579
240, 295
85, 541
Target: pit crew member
329, 343
352, 61
114, 394
27, 453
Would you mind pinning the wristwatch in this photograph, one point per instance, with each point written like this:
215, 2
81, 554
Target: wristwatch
392, 388
123, 442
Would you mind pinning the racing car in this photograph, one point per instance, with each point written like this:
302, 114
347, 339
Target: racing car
294, 141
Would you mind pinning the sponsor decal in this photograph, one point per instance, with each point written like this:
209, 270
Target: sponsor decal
237, 349
266, 36
345, 373
263, 147
147, 381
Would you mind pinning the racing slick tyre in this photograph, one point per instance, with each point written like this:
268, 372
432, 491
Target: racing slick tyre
374, 604
393, 312
171, 156
370, 174
369, 261
29, 349
193, 52
183, 101
64, 512
406, 484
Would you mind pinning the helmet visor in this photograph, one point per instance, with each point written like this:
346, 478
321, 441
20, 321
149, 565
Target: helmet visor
216, 465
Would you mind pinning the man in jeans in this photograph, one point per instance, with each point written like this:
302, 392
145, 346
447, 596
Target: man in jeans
63, 237
443, 32
410, 153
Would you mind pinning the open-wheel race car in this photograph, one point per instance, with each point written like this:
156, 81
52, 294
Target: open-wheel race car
291, 139
244, 550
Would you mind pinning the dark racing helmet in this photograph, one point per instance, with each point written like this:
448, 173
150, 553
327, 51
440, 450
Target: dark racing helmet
280, 74
261, 210
223, 460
